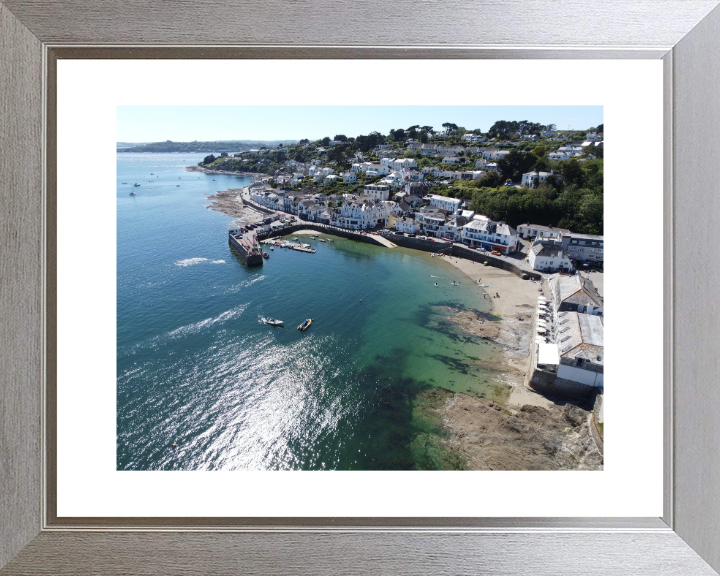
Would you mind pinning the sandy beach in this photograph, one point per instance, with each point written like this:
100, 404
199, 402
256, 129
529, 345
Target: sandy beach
518, 299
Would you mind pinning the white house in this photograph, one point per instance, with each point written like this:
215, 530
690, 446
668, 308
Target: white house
432, 223
330, 178
530, 137
534, 179
471, 175
404, 164
445, 203
377, 191
546, 257
473, 138
349, 176
477, 231
428, 149
490, 235
557, 155
407, 225
452, 229
443, 173
593, 136
538, 231
450, 160
362, 214
549, 133
375, 169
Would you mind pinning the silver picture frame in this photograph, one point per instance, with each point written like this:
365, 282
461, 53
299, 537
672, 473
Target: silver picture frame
684, 34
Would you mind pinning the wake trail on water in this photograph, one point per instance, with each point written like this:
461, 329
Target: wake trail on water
184, 331
194, 261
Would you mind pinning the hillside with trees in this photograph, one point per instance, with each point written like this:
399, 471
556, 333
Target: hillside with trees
571, 197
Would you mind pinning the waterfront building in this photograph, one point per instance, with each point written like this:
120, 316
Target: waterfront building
490, 235
586, 248
362, 213
538, 231
549, 257
408, 225
452, 229
573, 365
575, 293
580, 341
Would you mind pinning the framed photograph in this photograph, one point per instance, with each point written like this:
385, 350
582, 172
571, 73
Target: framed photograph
431, 217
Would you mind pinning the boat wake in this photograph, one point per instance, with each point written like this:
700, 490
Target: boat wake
244, 284
194, 261
208, 322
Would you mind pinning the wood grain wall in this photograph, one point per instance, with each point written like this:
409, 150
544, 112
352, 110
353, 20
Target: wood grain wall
696, 104
20, 281
351, 22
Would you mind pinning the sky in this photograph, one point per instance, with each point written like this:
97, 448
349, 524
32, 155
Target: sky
207, 123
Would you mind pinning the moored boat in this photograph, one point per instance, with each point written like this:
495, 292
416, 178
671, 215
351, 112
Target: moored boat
305, 325
272, 321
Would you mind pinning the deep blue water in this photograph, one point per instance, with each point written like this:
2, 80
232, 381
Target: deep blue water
197, 368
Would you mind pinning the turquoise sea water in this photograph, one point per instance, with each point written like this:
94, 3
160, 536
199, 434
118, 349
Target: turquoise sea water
196, 367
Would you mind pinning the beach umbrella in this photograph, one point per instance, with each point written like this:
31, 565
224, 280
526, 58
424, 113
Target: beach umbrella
542, 299
541, 330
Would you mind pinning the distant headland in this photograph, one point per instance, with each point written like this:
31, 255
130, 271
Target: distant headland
217, 146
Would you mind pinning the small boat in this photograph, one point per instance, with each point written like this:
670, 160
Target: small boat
124, 182
272, 247
272, 321
305, 325
132, 194
330, 240
136, 184
266, 255
152, 173
321, 240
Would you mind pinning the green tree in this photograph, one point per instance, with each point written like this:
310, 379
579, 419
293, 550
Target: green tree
572, 172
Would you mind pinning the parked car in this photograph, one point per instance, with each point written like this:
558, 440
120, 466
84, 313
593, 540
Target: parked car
496, 253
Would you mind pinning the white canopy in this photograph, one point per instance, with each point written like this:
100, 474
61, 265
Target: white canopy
540, 330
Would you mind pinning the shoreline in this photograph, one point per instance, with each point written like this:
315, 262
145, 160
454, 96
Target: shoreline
537, 430
225, 172
518, 299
